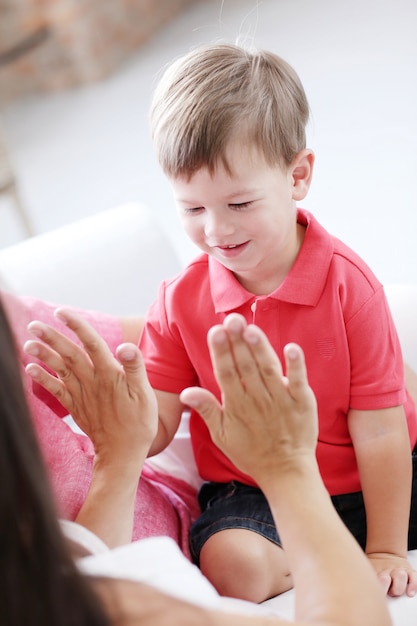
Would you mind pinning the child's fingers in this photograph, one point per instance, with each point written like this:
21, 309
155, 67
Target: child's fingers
412, 583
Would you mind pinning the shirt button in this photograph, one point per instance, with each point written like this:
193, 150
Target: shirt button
253, 307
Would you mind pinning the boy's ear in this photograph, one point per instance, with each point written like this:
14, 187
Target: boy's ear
302, 173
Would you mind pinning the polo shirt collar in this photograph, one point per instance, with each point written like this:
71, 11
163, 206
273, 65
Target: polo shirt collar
304, 283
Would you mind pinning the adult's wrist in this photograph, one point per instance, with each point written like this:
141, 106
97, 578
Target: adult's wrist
297, 468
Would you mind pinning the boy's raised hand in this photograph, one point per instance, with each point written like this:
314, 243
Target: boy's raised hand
110, 400
267, 422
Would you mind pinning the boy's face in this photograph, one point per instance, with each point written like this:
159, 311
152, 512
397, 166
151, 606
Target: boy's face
246, 220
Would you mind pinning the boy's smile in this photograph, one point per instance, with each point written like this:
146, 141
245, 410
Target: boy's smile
246, 219
230, 252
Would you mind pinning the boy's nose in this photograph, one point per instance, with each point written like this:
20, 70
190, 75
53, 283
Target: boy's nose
217, 226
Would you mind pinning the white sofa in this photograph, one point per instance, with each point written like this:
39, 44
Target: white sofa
113, 262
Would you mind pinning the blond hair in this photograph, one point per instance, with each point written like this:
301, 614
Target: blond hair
222, 92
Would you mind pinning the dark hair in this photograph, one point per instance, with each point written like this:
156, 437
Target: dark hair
39, 582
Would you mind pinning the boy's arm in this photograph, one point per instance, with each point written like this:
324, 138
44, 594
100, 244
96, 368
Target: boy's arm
382, 449
131, 328
170, 409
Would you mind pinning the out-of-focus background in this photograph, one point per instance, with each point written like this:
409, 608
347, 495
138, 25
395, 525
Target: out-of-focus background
76, 78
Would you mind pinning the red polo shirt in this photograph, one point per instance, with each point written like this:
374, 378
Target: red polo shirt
330, 303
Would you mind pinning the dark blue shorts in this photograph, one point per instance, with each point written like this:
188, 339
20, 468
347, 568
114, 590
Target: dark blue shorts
235, 505
231, 505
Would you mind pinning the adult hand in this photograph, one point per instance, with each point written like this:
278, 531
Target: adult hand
110, 400
267, 422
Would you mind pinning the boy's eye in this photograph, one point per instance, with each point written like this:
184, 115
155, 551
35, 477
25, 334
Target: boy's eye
192, 210
240, 205
235, 205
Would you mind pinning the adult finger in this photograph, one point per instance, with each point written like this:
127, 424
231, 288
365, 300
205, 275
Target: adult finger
296, 374
265, 359
204, 402
224, 365
245, 364
73, 356
133, 365
51, 383
47, 356
93, 343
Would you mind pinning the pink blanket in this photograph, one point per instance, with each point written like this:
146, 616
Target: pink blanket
165, 505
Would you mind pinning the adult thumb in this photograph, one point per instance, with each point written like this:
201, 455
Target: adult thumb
131, 360
204, 402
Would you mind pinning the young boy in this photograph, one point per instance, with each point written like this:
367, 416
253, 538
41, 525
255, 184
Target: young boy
229, 132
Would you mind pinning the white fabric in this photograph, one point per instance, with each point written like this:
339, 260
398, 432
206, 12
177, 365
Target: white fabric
112, 262
83, 537
178, 458
159, 562
403, 610
402, 299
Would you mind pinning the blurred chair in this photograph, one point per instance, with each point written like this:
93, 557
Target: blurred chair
8, 186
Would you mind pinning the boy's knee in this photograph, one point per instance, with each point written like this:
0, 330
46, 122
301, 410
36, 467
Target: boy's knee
242, 564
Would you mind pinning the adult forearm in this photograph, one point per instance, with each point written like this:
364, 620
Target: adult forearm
328, 567
108, 509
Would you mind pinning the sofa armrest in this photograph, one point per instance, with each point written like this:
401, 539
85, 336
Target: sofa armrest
112, 261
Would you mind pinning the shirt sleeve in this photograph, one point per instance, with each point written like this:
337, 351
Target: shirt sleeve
377, 371
162, 344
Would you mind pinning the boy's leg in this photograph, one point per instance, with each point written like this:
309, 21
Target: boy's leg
243, 564
236, 544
